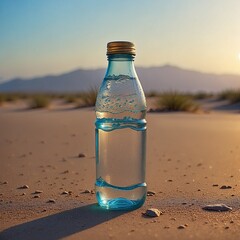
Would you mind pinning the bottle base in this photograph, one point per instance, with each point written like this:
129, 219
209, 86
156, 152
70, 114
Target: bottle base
120, 198
119, 203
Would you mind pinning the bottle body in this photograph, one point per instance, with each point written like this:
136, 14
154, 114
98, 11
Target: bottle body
120, 137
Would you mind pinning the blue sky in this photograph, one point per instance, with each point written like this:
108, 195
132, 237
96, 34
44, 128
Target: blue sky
55, 36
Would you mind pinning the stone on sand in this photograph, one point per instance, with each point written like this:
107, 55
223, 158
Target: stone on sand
182, 226
219, 207
38, 192
81, 155
86, 191
23, 187
152, 212
65, 193
151, 193
225, 187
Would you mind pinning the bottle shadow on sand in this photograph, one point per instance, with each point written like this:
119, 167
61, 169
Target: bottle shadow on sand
61, 224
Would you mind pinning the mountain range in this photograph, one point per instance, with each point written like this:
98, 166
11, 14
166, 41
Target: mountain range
162, 78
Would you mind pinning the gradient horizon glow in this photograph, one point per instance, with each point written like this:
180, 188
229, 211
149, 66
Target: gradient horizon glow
54, 36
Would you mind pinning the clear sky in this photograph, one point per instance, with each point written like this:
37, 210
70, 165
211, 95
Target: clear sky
55, 36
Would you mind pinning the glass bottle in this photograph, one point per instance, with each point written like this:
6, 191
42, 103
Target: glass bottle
120, 132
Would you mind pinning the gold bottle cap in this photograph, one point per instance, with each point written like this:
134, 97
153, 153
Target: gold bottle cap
121, 47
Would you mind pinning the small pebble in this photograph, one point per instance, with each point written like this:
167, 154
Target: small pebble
23, 194
92, 192
226, 227
225, 187
66, 171
170, 180
153, 221
217, 207
6, 182
38, 192
86, 191
215, 185
51, 201
36, 196
23, 187
232, 221
81, 155
152, 212
151, 193
182, 226
64, 193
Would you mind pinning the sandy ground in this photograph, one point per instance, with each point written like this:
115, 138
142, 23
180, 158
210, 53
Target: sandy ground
186, 155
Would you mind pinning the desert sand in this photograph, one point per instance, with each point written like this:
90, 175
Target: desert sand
189, 158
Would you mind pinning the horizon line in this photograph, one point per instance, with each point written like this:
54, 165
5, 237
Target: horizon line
98, 68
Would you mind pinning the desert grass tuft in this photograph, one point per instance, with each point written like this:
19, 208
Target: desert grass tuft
202, 95
152, 94
88, 99
71, 98
10, 97
174, 101
39, 101
2, 99
233, 96
225, 95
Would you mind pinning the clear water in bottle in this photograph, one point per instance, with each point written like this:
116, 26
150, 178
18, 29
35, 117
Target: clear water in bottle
120, 148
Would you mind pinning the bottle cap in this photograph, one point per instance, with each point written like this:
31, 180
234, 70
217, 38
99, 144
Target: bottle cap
121, 47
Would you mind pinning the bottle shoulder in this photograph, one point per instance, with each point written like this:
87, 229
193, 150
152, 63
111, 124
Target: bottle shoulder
121, 93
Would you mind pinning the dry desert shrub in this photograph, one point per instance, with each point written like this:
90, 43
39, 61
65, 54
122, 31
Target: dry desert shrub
174, 101
39, 101
233, 96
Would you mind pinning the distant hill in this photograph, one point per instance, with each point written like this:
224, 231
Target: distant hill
162, 78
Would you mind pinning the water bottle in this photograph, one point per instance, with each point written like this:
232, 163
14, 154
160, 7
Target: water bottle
120, 132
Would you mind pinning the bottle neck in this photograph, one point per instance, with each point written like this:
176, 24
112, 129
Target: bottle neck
121, 64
